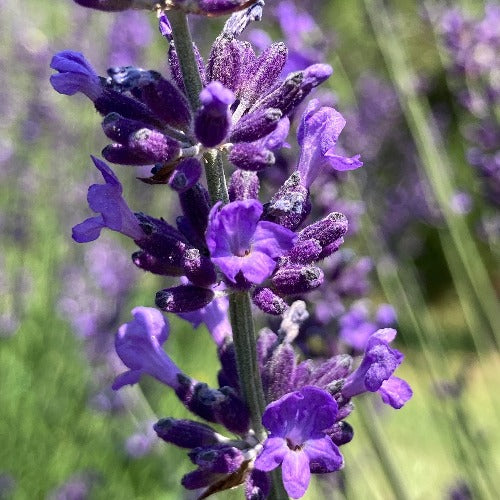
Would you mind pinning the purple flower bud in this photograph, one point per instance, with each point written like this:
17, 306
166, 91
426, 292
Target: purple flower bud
226, 61
256, 125
111, 101
198, 268
154, 146
295, 279
305, 252
195, 204
164, 267
243, 185
119, 129
331, 248
266, 300
331, 370
214, 7
278, 373
327, 230
341, 433
165, 27
186, 174
290, 205
75, 75
223, 459
214, 118
185, 433
295, 88
228, 374
263, 73
117, 5
168, 102
183, 298
251, 156
232, 412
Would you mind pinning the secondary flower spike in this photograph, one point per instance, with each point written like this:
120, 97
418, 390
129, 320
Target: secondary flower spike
239, 242
297, 423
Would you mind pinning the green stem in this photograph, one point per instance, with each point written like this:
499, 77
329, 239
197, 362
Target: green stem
187, 60
246, 357
216, 179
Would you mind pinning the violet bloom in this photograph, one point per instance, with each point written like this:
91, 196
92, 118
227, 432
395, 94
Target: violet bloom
138, 344
238, 241
297, 440
107, 200
318, 134
374, 374
75, 75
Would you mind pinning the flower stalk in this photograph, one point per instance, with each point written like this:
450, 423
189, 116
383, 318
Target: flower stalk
240, 312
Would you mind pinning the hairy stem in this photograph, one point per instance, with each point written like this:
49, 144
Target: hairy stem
184, 47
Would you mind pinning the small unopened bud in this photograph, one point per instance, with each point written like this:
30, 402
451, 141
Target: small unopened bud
168, 102
305, 252
184, 298
341, 433
262, 75
243, 185
327, 230
117, 5
251, 156
198, 268
185, 433
186, 174
297, 279
266, 300
213, 120
255, 125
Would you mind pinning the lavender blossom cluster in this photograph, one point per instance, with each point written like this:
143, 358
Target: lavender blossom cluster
227, 243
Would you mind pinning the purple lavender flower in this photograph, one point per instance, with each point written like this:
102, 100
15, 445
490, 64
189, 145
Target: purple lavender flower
379, 363
107, 200
297, 423
138, 344
75, 75
318, 133
239, 242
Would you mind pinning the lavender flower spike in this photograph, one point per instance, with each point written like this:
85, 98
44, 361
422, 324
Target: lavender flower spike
318, 133
238, 241
379, 363
115, 214
138, 344
75, 75
297, 440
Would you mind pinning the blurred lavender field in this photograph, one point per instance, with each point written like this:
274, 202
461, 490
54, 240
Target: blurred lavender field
419, 85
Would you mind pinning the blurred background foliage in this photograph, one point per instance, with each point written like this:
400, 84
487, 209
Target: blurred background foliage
63, 433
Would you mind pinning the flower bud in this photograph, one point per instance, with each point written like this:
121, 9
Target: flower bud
183, 298
168, 102
213, 119
327, 230
305, 252
255, 125
251, 156
297, 279
263, 73
185, 433
186, 174
117, 5
243, 185
198, 269
290, 205
266, 300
